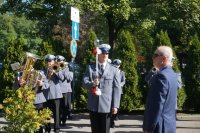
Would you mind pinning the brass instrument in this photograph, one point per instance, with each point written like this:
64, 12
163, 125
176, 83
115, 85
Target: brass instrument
62, 65
57, 66
35, 76
29, 74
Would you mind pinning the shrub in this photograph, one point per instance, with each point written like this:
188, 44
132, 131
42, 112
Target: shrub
21, 114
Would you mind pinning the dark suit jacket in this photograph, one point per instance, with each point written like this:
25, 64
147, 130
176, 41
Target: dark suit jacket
159, 116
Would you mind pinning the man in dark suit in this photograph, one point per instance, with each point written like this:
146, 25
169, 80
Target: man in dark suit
104, 90
160, 108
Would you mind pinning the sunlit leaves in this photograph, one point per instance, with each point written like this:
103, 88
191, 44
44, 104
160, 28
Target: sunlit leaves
21, 114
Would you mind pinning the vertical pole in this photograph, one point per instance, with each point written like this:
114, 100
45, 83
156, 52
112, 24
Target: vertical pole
73, 83
97, 44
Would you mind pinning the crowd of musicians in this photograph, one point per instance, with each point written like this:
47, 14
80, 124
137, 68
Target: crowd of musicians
104, 81
55, 90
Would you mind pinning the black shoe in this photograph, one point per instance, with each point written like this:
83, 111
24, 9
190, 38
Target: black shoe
117, 118
63, 123
56, 131
70, 117
47, 129
112, 124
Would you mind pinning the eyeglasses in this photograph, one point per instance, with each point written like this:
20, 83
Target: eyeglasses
105, 53
156, 55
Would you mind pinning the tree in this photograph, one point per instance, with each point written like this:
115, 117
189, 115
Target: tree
6, 33
14, 27
14, 53
116, 12
125, 51
192, 69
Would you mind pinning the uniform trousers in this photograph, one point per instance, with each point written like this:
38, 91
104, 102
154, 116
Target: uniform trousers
54, 105
100, 122
69, 109
63, 108
66, 106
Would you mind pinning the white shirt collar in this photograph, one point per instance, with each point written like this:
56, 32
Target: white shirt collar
104, 64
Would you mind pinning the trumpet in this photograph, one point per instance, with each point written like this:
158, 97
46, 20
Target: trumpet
57, 66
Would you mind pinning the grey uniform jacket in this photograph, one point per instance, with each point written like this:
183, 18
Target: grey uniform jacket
109, 86
66, 83
40, 96
54, 90
123, 79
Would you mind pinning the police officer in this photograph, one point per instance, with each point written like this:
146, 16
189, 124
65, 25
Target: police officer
54, 92
104, 91
65, 109
117, 63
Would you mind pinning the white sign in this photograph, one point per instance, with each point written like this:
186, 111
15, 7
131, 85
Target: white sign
75, 15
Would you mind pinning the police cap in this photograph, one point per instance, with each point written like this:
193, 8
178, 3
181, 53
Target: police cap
60, 58
49, 58
117, 62
104, 48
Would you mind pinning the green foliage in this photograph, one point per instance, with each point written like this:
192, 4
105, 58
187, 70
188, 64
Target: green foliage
14, 27
143, 41
162, 39
192, 83
7, 32
45, 48
21, 114
125, 51
88, 54
14, 53
120, 9
181, 98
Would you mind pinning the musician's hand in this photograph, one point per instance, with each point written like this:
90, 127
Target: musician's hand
50, 73
114, 110
22, 82
39, 82
95, 82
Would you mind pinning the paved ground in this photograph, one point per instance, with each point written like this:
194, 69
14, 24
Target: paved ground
126, 124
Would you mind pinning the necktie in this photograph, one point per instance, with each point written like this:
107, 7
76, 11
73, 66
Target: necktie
102, 69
